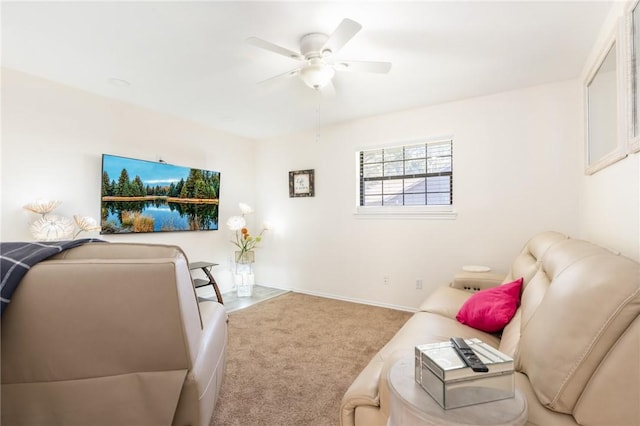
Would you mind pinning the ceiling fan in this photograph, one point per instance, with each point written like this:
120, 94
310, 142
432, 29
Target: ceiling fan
317, 51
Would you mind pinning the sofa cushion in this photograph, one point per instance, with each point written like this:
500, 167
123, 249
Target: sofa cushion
491, 309
616, 379
532, 295
445, 301
527, 265
538, 414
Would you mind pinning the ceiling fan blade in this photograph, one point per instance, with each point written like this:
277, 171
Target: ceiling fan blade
290, 73
267, 45
345, 32
363, 66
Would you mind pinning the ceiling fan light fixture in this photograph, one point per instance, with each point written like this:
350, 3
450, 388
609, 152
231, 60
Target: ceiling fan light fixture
317, 75
315, 50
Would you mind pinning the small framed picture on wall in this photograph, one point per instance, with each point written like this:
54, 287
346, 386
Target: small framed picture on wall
301, 183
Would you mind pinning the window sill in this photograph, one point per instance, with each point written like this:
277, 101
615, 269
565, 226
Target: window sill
406, 212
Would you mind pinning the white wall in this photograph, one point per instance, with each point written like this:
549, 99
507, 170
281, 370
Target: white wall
610, 198
518, 159
610, 214
517, 170
53, 137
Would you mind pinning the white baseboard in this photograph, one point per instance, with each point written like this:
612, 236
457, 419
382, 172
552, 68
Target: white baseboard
345, 299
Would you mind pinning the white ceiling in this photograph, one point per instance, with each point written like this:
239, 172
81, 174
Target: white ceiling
190, 59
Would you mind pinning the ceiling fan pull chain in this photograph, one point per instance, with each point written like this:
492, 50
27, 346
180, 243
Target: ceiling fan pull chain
318, 128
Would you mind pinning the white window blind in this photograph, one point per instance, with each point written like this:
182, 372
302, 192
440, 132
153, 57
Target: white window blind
419, 174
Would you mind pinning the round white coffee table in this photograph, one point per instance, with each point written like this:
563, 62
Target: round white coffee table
413, 406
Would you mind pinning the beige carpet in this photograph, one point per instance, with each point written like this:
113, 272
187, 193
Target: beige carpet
291, 359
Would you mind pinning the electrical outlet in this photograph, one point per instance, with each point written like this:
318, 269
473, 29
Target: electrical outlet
386, 280
418, 284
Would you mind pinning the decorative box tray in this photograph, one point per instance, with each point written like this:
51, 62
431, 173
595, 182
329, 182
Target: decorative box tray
444, 375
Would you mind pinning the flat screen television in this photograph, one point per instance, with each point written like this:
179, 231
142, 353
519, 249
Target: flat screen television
146, 196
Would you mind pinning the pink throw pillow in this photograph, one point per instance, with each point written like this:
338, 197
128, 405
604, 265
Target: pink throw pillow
491, 309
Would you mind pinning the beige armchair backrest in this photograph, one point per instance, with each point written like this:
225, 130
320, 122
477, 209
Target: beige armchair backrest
115, 323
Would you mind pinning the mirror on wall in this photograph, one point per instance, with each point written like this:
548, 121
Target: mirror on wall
603, 100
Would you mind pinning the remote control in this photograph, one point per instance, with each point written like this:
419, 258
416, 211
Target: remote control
468, 356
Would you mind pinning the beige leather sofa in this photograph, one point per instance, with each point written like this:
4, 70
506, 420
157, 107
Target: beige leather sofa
575, 338
111, 334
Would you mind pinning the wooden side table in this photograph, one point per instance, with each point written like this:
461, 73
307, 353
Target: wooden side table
206, 268
413, 406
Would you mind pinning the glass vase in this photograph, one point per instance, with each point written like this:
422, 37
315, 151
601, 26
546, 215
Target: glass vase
244, 278
246, 257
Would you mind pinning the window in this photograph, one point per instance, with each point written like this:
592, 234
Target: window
419, 174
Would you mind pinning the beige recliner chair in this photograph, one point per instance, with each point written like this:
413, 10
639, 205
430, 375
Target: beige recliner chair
111, 334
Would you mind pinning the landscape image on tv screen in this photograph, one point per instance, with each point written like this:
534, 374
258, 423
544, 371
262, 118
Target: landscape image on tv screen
148, 196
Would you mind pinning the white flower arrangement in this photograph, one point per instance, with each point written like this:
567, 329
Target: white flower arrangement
85, 224
236, 223
52, 227
244, 240
245, 208
42, 207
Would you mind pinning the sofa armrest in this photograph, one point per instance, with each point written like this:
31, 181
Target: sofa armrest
475, 281
363, 391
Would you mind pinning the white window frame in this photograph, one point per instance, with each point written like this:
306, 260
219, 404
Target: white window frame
446, 212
